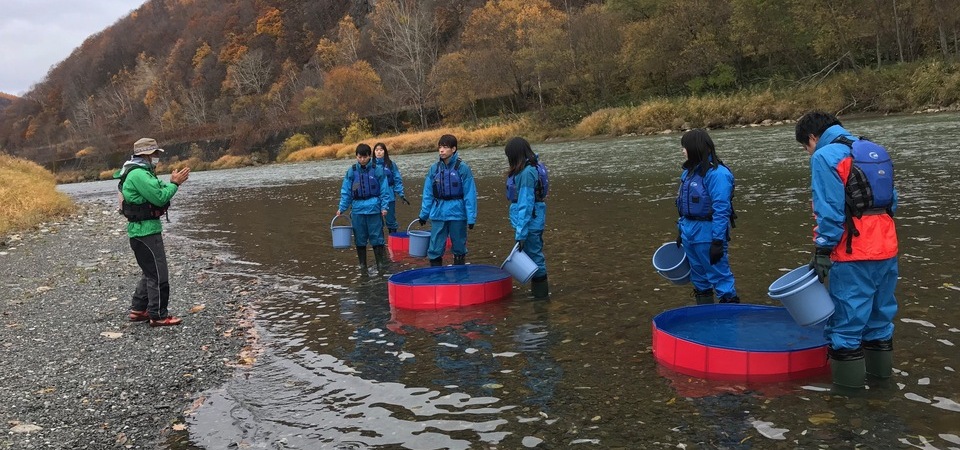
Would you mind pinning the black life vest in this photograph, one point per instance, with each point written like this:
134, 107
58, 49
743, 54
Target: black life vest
142, 211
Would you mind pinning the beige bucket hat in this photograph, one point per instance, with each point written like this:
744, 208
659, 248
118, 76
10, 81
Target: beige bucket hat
145, 146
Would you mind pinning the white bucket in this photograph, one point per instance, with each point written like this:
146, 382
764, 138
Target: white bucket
520, 266
671, 262
805, 297
342, 234
419, 241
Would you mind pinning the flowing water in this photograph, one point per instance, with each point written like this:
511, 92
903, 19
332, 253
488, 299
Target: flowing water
342, 370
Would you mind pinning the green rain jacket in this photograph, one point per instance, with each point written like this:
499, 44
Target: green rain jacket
142, 186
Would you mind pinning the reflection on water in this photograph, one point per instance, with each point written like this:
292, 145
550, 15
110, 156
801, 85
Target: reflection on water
342, 369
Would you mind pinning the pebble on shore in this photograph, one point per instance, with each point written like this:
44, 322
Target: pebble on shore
76, 373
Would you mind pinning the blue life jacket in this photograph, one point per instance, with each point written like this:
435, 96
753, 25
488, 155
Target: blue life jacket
693, 199
365, 183
540, 192
447, 184
388, 172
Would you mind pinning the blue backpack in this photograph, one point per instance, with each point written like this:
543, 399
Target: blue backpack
869, 187
543, 187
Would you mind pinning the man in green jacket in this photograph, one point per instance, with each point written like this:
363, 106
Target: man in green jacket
145, 198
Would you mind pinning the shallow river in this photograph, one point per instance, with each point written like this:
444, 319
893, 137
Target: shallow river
341, 370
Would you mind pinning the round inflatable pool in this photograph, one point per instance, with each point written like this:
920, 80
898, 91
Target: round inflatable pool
738, 342
448, 286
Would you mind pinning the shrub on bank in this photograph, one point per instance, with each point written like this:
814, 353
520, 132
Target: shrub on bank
28, 195
899, 88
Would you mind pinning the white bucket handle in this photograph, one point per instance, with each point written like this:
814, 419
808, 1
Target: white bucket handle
334, 220
411, 224
510, 255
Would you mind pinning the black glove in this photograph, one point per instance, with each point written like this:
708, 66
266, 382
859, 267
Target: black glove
679, 240
422, 221
716, 251
821, 263
519, 246
404, 199
470, 226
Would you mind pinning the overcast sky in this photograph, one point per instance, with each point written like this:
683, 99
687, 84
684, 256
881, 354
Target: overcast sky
37, 34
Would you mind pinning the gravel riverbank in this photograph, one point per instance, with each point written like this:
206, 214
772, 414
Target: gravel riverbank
76, 374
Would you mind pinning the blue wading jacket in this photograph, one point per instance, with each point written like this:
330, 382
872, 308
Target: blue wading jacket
373, 205
454, 209
719, 183
396, 178
526, 214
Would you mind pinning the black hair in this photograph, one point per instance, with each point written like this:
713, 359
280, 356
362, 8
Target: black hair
814, 122
386, 154
363, 150
448, 140
701, 153
519, 155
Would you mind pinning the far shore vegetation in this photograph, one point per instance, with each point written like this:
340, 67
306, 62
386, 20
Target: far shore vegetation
896, 89
28, 196
907, 88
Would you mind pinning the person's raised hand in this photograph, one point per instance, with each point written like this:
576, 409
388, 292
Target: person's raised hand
178, 177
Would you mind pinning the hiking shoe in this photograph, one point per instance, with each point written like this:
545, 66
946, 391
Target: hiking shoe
139, 316
166, 321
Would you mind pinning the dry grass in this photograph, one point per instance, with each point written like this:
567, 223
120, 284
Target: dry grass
710, 111
28, 195
425, 141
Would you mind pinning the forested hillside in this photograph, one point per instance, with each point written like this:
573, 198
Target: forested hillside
245, 72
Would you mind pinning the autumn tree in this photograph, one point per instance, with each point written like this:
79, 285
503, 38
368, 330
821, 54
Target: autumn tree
250, 74
518, 41
354, 89
454, 84
406, 38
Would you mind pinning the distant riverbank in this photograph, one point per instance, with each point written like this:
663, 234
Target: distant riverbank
931, 86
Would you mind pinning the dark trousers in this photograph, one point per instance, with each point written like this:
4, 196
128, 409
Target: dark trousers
153, 290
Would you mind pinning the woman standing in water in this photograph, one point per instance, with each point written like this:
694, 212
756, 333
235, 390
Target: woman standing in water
395, 181
704, 202
526, 191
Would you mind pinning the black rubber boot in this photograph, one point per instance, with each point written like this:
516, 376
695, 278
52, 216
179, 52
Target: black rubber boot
847, 367
878, 357
459, 260
436, 262
704, 297
378, 253
734, 299
539, 287
362, 256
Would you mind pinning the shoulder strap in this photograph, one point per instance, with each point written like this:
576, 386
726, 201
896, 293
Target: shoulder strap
124, 176
843, 140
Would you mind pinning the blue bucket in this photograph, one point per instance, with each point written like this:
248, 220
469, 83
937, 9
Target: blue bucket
671, 262
805, 298
520, 266
684, 279
342, 234
419, 241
